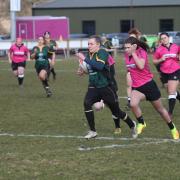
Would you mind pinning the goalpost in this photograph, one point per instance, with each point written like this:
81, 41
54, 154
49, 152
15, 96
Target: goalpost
15, 5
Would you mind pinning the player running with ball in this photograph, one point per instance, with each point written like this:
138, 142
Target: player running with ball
100, 87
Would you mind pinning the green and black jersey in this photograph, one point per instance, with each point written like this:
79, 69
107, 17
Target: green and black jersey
108, 45
41, 57
51, 44
98, 69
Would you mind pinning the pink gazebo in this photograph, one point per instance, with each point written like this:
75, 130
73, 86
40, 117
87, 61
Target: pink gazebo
30, 27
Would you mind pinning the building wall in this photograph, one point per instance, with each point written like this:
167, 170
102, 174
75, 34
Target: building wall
108, 19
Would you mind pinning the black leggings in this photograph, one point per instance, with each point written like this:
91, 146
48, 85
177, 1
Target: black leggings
109, 96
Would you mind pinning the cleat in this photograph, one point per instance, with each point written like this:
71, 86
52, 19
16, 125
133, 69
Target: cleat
117, 131
140, 127
175, 133
48, 91
49, 94
134, 131
91, 134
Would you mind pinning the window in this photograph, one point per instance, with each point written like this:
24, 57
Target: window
166, 25
126, 25
89, 27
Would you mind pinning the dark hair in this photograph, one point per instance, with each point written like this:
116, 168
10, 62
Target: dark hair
133, 40
164, 33
47, 32
134, 31
96, 37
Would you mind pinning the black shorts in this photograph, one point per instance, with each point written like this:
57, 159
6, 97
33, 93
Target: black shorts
46, 68
173, 76
150, 90
96, 94
15, 66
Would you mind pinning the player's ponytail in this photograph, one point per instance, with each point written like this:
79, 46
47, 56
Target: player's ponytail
132, 40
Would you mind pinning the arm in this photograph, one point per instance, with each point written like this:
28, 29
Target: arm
100, 60
33, 54
157, 58
9, 56
28, 56
140, 62
98, 64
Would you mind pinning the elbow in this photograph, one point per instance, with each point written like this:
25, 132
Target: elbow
155, 62
141, 67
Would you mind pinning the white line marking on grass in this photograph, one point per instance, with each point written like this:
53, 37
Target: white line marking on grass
82, 137
82, 148
125, 97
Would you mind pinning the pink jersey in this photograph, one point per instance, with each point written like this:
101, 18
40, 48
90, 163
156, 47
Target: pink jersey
18, 53
111, 60
139, 77
171, 64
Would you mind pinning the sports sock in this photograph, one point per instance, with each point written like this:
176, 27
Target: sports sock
178, 96
172, 102
129, 101
140, 119
20, 79
171, 125
53, 71
116, 121
90, 118
45, 83
128, 121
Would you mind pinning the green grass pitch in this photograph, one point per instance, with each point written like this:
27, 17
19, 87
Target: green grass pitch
41, 138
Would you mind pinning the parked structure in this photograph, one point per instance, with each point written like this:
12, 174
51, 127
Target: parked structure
108, 16
31, 27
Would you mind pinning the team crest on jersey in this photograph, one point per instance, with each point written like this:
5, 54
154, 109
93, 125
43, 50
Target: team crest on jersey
131, 65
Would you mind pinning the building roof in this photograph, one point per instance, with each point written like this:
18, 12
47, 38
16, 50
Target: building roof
103, 3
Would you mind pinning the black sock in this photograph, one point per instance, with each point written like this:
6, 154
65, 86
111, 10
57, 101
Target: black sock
45, 83
178, 96
20, 80
140, 120
117, 122
90, 118
129, 121
129, 100
172, 103
171, 125
53, 72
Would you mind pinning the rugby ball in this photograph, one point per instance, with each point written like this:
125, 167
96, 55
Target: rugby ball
83, 66
98, 105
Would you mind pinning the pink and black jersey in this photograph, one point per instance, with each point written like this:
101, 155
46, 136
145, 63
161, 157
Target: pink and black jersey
171, 64
139, 76
18, 53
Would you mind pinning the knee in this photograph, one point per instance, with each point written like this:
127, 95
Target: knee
133, 104
87, 104
21, 71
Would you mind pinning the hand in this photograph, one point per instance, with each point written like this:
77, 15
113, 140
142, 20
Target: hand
54, 48
10, 61
80, 72
133, 48
80, 56
163, 58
